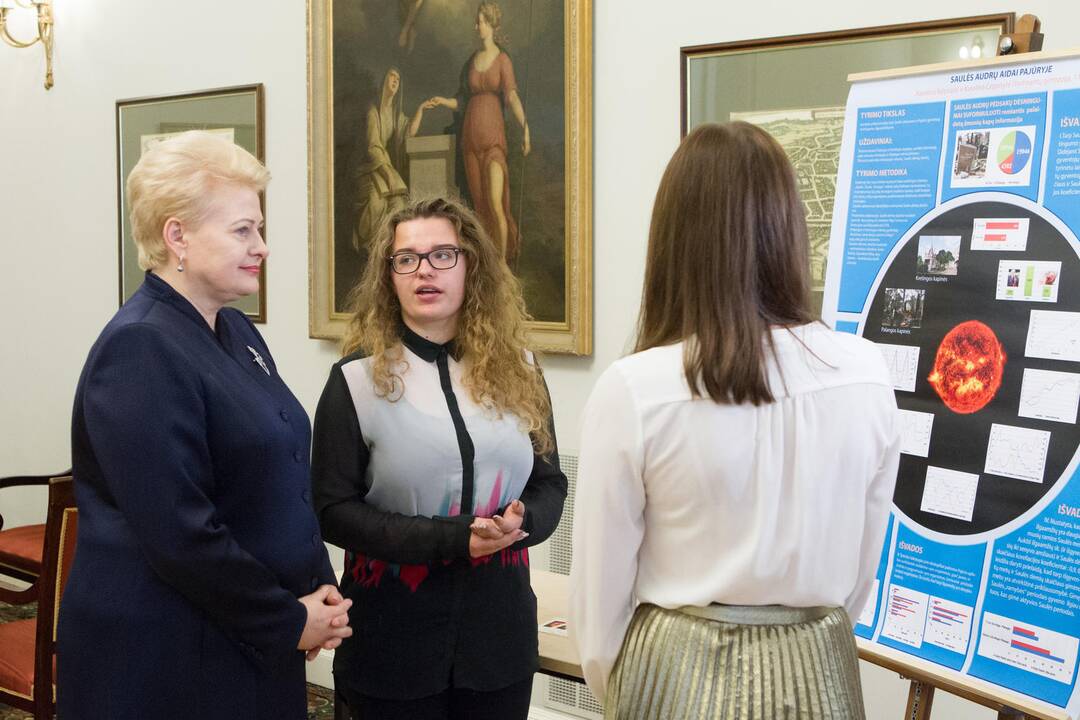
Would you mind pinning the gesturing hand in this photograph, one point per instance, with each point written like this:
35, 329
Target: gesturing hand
489, 535
327, 621
511, 520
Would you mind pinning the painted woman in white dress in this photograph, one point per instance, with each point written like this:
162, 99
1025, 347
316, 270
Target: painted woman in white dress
382, 187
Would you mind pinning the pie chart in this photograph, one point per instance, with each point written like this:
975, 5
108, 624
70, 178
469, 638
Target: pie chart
1014, 152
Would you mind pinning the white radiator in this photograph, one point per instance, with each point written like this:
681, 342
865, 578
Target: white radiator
566, 696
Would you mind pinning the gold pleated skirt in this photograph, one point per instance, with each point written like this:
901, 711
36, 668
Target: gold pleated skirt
736, 663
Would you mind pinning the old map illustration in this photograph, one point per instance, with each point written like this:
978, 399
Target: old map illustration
812, 139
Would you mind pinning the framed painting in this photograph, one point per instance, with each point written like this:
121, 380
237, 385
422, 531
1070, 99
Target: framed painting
489, 102
233, 112
796, 88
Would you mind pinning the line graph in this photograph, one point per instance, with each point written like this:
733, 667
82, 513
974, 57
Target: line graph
1017, 452
1053, 335
903, 364
1049, 395
915, 430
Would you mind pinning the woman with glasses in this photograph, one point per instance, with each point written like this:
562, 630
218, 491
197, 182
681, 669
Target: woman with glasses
736, 470
435, 466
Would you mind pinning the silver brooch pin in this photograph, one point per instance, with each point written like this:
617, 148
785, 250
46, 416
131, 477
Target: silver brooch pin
258, 359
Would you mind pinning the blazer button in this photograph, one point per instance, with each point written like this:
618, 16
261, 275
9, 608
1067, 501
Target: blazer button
314, 583
315, 540
306, 495
284, 416
298, 456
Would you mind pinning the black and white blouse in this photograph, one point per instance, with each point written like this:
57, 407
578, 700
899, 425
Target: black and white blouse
397, 484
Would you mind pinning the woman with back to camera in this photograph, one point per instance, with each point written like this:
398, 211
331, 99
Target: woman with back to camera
736, 470
434, 465
200, 579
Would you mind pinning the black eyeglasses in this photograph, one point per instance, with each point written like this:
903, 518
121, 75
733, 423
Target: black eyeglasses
406, 263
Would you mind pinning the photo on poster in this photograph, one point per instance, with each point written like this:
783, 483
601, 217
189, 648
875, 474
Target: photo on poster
950, 493
1017, 452
972, 149
938, 254
994, 157
915, 429
1049, 395
903, 308
1028, 280
1053, 335
1004, 234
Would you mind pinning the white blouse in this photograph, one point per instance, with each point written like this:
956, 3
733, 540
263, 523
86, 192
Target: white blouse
685, 501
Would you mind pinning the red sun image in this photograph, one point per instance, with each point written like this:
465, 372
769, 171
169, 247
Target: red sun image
968, 367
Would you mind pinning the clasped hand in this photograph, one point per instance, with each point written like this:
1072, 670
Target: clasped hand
327, 621
490, 535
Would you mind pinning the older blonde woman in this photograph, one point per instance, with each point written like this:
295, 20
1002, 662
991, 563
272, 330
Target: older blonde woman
200, 578
434, 465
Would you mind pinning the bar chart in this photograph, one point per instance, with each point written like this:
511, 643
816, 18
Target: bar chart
1028, 647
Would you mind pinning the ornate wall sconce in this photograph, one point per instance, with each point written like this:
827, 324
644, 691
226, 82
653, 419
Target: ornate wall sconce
44, 30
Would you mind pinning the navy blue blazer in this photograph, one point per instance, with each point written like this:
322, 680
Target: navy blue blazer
196, 531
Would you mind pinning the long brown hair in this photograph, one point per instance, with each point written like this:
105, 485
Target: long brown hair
727, 260
491, 335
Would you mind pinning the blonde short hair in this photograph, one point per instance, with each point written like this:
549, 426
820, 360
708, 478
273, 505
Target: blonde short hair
176, 178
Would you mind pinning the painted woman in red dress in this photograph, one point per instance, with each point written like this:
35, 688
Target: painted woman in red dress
487, 83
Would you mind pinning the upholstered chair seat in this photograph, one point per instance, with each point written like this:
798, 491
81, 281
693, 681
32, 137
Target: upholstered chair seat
21, 549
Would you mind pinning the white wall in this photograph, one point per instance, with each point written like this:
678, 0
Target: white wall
58, 220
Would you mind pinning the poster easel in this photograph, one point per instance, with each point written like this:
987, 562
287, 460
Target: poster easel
979, 178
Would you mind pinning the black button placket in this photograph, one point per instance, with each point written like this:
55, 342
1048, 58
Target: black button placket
465, 443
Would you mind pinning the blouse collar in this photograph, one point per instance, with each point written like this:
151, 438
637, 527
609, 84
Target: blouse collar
425, 349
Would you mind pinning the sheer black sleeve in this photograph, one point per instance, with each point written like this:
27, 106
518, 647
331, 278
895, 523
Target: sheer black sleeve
544, 493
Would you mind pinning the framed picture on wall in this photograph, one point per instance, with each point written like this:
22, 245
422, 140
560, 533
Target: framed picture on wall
796, 88
488, 102
235, 113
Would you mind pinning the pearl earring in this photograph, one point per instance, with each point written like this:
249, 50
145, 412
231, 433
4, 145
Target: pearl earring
180, 267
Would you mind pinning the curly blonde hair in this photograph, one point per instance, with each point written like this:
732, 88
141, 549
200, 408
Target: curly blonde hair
500, 373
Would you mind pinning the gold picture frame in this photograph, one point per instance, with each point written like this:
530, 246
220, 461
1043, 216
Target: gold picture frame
355, 46
235, 112
796, 87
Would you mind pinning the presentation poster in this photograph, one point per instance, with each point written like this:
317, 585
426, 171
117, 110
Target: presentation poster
954, 249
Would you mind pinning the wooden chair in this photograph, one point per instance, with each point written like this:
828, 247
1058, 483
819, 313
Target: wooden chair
21, 547
27, 647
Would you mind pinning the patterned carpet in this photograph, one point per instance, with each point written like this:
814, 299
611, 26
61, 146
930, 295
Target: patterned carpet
320, 700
